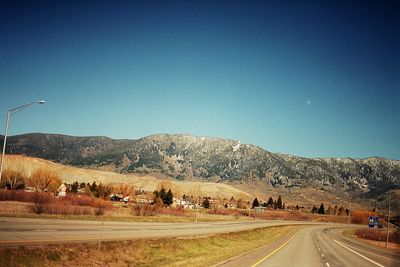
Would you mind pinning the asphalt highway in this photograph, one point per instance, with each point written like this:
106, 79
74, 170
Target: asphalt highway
28, 231
321, 245
310, 245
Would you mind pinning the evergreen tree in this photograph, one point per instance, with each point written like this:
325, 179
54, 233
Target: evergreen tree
74, 187
162, 193
279, 203
169, 198
206, 203
270, 202
321, 209
255, 203
340, 212
297, 207
314, 209
93, 187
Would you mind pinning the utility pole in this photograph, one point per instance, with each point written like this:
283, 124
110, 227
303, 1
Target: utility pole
388, 222
197, 202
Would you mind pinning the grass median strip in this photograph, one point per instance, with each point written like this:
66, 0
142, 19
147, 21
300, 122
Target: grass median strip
200, 251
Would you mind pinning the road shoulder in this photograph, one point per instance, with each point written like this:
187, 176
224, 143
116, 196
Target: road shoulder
248, 258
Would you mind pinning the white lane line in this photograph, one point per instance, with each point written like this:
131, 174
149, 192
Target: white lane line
322, 254
362, 256
327, 264
377, 255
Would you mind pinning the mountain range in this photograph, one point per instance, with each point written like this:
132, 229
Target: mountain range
192, 158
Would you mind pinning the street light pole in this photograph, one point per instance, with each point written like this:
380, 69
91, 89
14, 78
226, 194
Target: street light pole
9, 113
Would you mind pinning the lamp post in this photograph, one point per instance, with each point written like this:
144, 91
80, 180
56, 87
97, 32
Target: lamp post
10, 112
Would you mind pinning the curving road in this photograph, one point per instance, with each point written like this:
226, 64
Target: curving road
322, 245
28, 231
311, 245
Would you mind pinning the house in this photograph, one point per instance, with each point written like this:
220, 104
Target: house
62, 190
143, 199
182, 203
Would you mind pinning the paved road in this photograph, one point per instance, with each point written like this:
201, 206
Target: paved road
27, 231
322, 245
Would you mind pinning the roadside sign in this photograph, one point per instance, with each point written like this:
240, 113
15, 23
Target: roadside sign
373, 222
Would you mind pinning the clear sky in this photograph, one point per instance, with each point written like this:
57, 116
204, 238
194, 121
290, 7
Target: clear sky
311, 78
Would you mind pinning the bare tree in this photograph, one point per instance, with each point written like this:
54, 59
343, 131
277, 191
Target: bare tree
124, 189
12, 179
44, 180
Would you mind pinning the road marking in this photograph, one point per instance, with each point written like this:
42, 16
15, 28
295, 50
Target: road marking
362, 256
322, 254
327, 264
377, 255
273, 252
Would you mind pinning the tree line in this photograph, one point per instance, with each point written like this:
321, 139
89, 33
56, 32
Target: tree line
270, 203
330, 211
40, 180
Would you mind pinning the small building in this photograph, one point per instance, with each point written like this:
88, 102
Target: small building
62, 190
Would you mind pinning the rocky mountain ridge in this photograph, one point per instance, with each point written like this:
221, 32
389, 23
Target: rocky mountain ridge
187, 157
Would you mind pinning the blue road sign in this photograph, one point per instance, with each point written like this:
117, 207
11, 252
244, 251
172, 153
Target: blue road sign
373, 222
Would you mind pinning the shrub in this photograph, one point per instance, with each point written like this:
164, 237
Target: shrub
171, 211
43, 202
100, 206
378, 235
232, 212
40, 202
143, 210
62, 209
15, 195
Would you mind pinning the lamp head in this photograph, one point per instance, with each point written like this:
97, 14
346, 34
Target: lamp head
41, 102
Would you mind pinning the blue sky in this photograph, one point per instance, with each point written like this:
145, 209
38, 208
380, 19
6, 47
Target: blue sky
314, 79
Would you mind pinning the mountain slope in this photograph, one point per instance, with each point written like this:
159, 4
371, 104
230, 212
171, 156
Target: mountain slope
147, 182
186, 157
